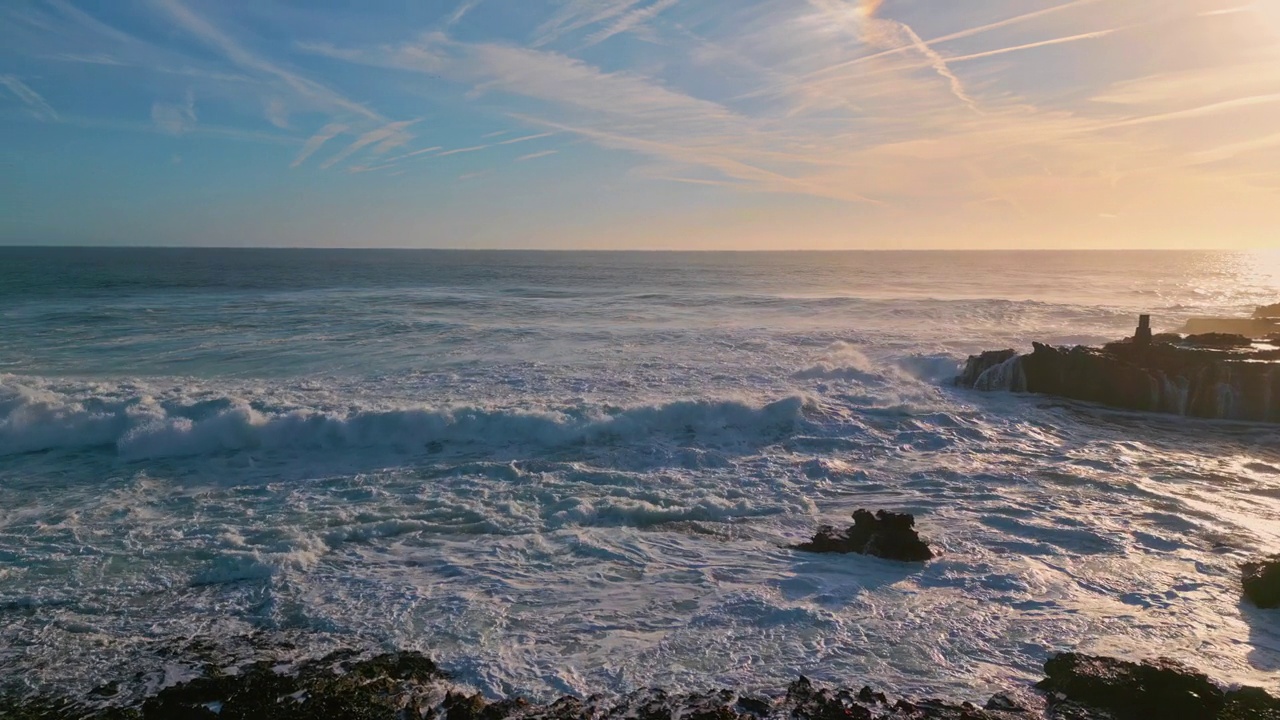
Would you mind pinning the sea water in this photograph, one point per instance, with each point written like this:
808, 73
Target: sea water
578, 472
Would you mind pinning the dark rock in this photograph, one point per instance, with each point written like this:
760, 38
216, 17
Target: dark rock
108, 690
810, 703
867, 695
1001, 701
1261, 581
1166, 339
379, 687
887, 535
403, 686
1267, 311
1211, 383
1250, 703
755, 705
978, 365
1217, 340
1153, 689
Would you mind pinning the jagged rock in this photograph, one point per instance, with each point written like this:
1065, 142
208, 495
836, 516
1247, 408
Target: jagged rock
1261, 581
331, 687
1217, 340
400, 686
887, 535
1209, 383
1250, 703
1166, 338
978, 365
1267, 311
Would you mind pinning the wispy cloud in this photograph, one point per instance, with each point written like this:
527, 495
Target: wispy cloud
630, 21
845, 102
1038, 44
890, 34
459, 151
536, 155
175, 118
1195, 112
326, 133
234, 51
391, 132
34, 102
525, 138
415, 153
277, 113
464, 7
576, 15
909, 44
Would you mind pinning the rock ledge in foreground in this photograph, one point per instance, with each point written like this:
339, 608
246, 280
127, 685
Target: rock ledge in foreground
1163, 689
407, 686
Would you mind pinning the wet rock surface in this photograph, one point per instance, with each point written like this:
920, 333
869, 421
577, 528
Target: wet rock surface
883, 534
1151, 689
1217, 340
1261, 582
978, 365
409, 685
1223, 382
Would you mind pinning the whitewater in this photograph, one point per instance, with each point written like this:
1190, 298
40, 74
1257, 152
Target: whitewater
578, 472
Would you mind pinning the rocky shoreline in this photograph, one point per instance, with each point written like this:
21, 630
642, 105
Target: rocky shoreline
401, 685
258, 677
1217, 377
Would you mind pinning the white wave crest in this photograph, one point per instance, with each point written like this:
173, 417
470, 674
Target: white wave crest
138, 426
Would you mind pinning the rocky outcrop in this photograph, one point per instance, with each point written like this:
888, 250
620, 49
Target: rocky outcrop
400, 686
1154, 689
884, 534
1254, 327
978, 370
1261, 582
1235, 384
1267, 311
1218, 340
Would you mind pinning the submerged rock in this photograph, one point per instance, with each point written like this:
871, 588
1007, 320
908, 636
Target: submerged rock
1219, 383
887, 535
1261, 581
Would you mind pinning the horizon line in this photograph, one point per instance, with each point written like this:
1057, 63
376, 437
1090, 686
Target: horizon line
690, 251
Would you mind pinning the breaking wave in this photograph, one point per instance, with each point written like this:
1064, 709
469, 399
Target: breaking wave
140, 426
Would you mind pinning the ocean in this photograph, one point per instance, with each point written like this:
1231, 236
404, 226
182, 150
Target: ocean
578, 472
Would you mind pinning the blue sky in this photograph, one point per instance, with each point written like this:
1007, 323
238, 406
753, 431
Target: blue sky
685, 124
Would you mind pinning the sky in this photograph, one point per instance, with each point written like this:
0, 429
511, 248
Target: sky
641, 124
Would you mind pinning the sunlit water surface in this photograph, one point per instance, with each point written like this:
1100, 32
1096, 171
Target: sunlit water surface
577, 472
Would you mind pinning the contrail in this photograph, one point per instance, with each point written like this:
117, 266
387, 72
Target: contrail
867, 9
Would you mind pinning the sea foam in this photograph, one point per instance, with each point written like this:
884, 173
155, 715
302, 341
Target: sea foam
138, 426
